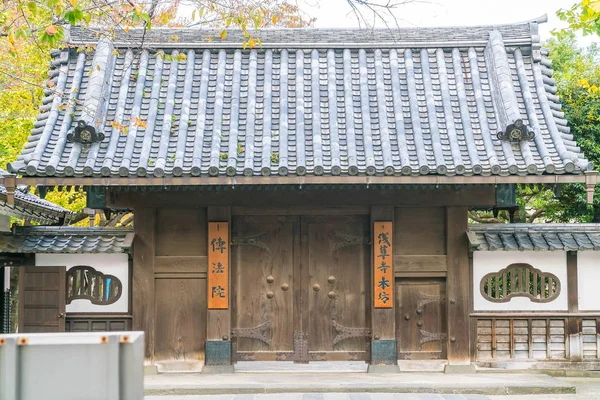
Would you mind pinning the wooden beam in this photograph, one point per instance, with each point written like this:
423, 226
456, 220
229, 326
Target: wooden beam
305, 180
409, 263
572, 283
574, 323
457, 286
143, 277
268, 198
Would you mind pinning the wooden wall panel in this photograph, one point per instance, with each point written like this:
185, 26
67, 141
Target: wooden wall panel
180, 319
181, 232
182, 265
530, 337
143, 276
419, 231
97, 323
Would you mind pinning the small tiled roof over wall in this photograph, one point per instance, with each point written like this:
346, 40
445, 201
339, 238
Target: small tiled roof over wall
45, 239
31, 207
534, 237
426, 101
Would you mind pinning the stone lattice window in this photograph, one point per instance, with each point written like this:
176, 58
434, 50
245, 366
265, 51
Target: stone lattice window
520, 280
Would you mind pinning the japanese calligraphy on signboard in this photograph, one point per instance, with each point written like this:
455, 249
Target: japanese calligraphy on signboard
218, 265
383, 273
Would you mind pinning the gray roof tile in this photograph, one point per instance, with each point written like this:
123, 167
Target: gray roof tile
534, 237
40, 239
32, 207
426, 101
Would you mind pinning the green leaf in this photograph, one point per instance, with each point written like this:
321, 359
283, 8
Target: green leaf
32, 6
73, 16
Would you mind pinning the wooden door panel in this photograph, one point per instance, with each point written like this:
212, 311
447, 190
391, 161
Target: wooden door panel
42, 299
180, 318
421, 318
263, 286
337, 255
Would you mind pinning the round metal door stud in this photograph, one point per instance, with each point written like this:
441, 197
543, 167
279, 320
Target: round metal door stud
331, 295
270, 294
270, 279
420, 324
285, 287
331, 279
407, 317
419, 311
316, 287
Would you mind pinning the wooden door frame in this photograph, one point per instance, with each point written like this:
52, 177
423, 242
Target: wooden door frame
62, 299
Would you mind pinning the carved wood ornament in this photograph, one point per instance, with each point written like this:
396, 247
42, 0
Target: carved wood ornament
520, 280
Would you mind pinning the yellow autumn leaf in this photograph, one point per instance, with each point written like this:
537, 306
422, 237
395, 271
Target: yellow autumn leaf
223, 34
176, 38
274, 19
595, 6
74, 3
583, 83
11, 37
252, 43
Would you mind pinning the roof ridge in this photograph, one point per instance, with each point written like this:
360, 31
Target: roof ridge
516, 33
534, 227
66, 230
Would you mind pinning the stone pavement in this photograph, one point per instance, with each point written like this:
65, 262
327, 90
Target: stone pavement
327, 396
354, 382
587, 389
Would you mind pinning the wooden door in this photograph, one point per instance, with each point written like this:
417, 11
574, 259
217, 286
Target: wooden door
42, 298
421, 319
336, 316
265, 314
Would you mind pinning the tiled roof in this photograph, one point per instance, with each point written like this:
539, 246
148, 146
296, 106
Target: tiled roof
43, 239
534, 237
32, 207
427, 101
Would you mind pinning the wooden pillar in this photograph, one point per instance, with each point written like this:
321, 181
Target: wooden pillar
574, 324
218, 321
143, 277
383, 323
458, 290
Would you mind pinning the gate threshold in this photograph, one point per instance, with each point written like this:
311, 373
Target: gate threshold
259, 367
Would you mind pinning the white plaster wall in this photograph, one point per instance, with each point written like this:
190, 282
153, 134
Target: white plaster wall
588, 280
109, 264
554, 262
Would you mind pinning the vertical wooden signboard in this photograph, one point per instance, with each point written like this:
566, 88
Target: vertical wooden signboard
383, 273
218, 265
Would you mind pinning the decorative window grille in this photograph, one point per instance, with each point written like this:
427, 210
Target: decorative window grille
5, 312
520, 280
84, 282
